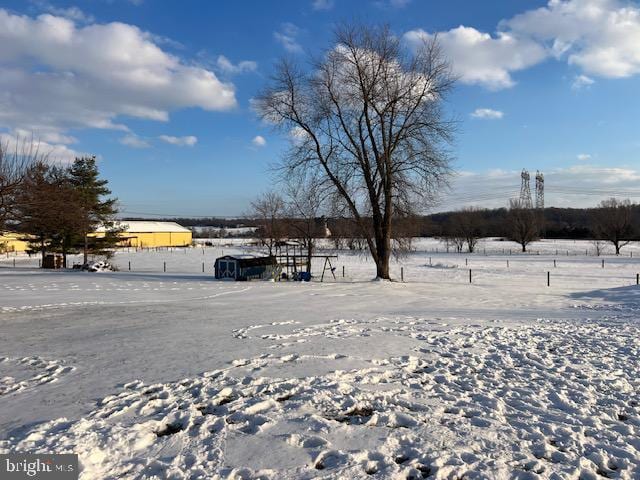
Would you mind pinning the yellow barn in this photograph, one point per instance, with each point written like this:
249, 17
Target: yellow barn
12, 242
143, 234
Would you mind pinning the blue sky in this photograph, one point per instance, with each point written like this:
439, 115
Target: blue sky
161, 92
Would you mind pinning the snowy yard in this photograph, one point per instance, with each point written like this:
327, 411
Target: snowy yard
147, 374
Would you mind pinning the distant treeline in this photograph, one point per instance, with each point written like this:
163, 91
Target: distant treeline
560, 223
569, 223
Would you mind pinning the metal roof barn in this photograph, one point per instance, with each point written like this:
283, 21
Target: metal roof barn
145, 234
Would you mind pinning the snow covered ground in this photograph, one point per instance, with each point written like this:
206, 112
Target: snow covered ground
147, 374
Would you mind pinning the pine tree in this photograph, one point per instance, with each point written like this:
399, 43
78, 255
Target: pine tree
36, 204
66, 212
97, 209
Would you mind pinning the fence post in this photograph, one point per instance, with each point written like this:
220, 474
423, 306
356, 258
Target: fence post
402, 273
430, 261
548, 279
469, 275
554, 263
129, 266
342, 271
637, 278
202, 267
164, 266
603, 263
507, 263
466, 261
14, 263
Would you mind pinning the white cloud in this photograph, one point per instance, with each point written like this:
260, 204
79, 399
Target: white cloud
601, 37
131, 140
188, 141
392, 3
322, 4
479, 58
72, 13
57, 153
582, 81
287, 37
259, 141
584, 157
487, 113
56, 75
51, 136
226, 66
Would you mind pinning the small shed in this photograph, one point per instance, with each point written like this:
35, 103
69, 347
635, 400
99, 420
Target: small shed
246, 267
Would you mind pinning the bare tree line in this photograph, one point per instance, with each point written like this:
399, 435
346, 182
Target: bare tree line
613, 222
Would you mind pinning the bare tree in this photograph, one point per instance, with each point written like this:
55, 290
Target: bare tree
446, 241
367, 121
598, 247
522, 224
305, 202
269, 209
451, 235
469, 226
15, 158
405, 230
613, 222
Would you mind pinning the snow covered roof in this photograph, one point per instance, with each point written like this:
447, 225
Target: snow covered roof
246, 256
148, 227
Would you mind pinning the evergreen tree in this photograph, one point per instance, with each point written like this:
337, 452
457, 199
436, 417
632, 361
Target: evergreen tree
97, 209
67, 213
36, 203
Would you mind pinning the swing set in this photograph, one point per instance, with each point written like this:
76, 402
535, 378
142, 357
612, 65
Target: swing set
292, 259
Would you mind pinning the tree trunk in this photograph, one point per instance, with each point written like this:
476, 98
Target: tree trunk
86, 251
383, 248
43, 251
524, 248
309, 254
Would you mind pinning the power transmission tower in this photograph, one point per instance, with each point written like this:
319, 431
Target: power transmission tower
539, 190
525, 190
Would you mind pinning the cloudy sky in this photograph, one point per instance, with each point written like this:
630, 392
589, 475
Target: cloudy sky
161, 92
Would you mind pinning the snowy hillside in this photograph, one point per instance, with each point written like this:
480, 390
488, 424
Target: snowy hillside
147, 374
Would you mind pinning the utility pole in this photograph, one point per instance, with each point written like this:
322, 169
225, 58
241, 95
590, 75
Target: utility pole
525, 190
